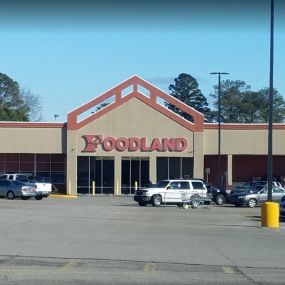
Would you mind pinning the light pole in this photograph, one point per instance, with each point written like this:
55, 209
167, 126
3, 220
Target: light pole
270, 107
219, 125
270, 210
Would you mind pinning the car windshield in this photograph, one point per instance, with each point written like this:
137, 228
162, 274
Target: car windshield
161, 184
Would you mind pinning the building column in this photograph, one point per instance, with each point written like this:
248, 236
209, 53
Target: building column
198, 155
152, 169
230, 170
71, 167
118, 175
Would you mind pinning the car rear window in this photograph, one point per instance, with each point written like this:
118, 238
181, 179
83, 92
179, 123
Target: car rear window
22, 178
197, 185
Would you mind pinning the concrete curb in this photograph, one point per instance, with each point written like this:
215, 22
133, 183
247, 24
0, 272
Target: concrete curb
63, 196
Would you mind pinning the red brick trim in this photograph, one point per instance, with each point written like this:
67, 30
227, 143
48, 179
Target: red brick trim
31, 125
197, 126
245, 126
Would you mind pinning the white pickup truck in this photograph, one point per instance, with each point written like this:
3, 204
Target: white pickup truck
42, 187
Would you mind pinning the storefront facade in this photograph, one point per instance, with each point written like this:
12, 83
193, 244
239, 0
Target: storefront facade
127, 138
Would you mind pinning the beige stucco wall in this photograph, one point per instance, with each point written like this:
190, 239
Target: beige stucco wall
32, 140
134, 119
251, 142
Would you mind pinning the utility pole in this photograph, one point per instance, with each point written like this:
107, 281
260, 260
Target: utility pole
219, 125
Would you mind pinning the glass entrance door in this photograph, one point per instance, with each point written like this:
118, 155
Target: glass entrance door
97, 169
134, 169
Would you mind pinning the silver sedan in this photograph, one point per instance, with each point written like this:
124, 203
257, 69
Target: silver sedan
16, 189
252, 198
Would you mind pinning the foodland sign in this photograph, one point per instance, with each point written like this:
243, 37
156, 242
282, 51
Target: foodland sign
134, 144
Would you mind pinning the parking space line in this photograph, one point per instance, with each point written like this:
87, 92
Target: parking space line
228, 270
150, 267
69, 265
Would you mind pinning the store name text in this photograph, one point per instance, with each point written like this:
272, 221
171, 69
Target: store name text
134, 144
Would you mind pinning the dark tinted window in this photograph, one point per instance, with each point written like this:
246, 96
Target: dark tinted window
185, 185
197, 185
161, 184
175, 185
23, 178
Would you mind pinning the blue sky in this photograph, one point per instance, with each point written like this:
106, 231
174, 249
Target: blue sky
69, 52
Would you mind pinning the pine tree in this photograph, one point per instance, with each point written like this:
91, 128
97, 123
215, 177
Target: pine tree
186, 89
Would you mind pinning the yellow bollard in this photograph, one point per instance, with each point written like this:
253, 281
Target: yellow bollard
93, 188
136, 185
117, 188
270, 215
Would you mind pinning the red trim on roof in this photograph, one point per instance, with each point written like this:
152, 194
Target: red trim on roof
245, 126
154, 93
31, 125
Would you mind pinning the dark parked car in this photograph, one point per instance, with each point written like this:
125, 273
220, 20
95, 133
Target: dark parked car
282, 208
16, 189
219, 196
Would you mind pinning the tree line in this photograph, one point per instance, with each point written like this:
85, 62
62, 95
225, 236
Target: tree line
239, 104
17, 104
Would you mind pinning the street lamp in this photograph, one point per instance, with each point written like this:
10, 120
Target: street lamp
270, 109
219, 125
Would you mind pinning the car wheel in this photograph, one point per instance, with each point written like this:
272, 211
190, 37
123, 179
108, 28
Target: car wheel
142, 204
10, 195
251, 203
39, 197
220, 199
195, 201
156, 200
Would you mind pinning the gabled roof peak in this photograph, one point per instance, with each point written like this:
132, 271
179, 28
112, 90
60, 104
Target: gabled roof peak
134, 87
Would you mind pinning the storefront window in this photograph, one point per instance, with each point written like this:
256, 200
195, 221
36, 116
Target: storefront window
174, 167
44, 165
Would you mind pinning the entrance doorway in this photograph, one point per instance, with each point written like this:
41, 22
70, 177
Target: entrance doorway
97, 169
134, 169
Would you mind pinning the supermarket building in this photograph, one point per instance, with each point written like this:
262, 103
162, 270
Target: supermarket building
127, 137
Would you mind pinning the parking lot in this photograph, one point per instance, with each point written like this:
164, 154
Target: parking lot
110, 240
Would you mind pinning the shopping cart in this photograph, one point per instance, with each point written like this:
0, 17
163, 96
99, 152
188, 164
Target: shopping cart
195, 201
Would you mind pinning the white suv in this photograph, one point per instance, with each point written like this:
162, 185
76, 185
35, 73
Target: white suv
174, 191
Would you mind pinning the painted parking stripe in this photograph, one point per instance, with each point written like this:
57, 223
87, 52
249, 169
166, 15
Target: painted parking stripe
228, 270
69, 265
150, 267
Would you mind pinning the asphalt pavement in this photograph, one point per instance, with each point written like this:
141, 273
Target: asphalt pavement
111, 240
